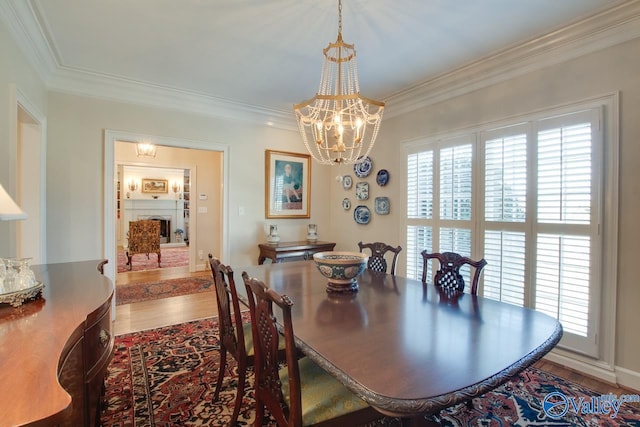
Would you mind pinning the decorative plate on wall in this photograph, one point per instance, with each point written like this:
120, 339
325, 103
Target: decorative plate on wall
347, 182
362, 214
382, 205
363, 168
362, 190
383, 177
346, 204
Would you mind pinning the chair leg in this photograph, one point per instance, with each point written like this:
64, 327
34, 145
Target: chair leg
242, 378
259, 412
129, 260
158, 258
221, 369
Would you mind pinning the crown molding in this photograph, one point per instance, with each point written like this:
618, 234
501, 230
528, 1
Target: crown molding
20, 19
597, 32
117, 89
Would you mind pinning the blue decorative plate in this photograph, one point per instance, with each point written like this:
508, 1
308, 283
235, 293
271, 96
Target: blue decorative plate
362, 214
347, 182
363, 167
346, 204
382, 205
383, 177
362, 190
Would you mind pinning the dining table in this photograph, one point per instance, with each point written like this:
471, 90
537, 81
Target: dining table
407, 347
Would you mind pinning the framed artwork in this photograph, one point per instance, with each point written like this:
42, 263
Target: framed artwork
155, 185
287, 185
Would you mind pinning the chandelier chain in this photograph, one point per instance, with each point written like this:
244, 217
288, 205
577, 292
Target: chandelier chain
339, 16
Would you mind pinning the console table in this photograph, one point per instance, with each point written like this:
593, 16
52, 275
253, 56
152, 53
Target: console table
292, 251
54, 350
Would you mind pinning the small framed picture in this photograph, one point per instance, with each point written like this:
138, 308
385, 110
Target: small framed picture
287, 185
155, 185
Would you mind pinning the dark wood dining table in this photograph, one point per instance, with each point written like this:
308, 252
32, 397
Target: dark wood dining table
403, 346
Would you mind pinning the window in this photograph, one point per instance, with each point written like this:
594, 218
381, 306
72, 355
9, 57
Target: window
526, 197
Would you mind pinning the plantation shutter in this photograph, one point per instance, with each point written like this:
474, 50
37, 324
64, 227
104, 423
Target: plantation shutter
420, 200
505, 213
538, 189
567, 228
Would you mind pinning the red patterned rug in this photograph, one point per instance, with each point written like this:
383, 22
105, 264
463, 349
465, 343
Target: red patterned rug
169, 257
166, 377
136, 292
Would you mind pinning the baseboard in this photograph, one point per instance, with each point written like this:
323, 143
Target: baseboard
201, 267
586, 366
597, 369
628, 379
173, 245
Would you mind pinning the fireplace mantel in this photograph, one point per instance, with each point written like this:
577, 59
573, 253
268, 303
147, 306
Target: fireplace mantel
171, 210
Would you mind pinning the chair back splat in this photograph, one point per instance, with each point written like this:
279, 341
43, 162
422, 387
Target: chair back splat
448, 275
377, 259
300, 393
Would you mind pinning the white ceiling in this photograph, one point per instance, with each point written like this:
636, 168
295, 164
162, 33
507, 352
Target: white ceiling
267, 54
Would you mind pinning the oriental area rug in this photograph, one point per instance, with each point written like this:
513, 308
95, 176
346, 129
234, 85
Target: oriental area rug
166, 377
137, 292
169, 257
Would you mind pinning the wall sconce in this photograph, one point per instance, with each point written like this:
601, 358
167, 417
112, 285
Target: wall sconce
133, 185
176, 189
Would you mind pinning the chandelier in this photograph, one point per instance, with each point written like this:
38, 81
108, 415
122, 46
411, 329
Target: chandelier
338, 125
144, 149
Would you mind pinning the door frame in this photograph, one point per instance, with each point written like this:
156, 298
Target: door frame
110, 177
24, 112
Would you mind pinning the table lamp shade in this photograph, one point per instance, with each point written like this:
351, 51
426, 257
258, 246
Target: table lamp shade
9, 210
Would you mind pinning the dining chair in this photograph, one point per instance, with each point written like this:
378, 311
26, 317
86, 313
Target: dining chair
300, 393
235, 336
378, 258
448, 275
143, 238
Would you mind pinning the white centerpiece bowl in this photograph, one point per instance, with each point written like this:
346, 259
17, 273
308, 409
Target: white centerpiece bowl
341, 269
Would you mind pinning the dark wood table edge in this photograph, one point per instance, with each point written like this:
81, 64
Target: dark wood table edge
412, 407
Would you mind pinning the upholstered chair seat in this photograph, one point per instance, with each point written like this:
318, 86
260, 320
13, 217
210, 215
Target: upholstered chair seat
323, 397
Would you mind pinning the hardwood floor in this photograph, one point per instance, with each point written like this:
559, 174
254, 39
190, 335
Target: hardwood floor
168, 311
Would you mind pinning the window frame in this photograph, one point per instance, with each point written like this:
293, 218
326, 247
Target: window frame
607, 214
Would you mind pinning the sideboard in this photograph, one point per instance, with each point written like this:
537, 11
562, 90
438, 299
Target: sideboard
292, 251
54, 350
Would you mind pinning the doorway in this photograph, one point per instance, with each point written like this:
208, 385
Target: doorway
169, 204
28, 177
199, 222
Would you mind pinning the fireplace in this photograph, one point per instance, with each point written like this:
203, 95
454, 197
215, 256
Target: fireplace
165, 226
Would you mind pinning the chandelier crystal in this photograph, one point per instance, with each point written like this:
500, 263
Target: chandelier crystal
338, 125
